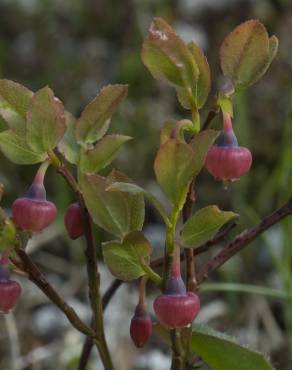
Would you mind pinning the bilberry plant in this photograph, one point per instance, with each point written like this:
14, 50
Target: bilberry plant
40, 130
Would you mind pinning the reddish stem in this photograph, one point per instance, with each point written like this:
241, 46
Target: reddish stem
142, 295
40, 175
4, 259
227, 122
243, 239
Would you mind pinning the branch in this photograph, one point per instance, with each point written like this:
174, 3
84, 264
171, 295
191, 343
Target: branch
202, 248
94, 291
211, 115
92, 270
189, 252
110, 292
177, 350
243, 239
69, 178
90, 251
220, 235
37, 277
89, 343
187, 212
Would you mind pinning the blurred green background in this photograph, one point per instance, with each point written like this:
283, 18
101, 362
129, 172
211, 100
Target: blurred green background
76, 47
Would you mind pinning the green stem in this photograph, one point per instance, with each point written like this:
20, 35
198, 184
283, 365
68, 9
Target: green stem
196, 121
151, 274
177, 350
89, 342
55, 161
170, 231
94, 290
95, 297
102, 348
40, 175
170, 244
211, 115
142, 290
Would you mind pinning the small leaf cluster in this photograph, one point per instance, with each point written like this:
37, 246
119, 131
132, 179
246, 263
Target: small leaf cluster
179, 161
37, 124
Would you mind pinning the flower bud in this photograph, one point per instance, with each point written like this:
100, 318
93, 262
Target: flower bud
74, 221
9, 290
141, 326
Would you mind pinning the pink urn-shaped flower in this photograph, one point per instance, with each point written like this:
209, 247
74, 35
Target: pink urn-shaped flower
226, 160
176, 308
33, 212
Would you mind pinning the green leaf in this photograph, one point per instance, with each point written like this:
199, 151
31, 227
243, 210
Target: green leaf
166, 130
246, 53
126, 187
135, 202
123, 259
168, 58
273, 47
3, 124
204, 225
95, 119
135, 189
15, 148
68, 145
176, 130
221, 352
203, 81
45, 121
14, 103
184, 98
201, 143
103, 153
175, 166
109, 210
